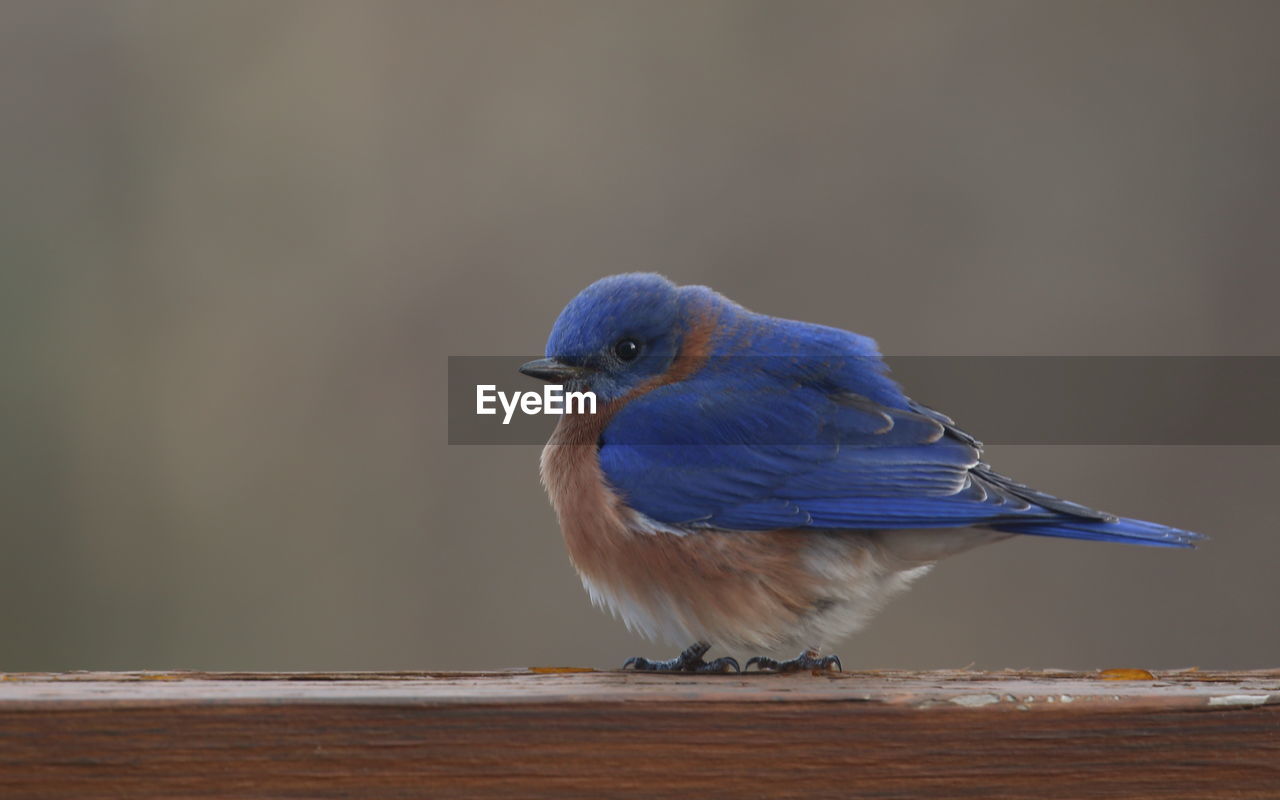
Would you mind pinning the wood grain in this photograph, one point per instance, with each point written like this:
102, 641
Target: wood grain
553, 734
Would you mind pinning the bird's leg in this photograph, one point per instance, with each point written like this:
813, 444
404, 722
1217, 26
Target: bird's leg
688, 661
809, 659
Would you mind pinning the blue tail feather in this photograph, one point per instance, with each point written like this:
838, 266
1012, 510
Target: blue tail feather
1126, 531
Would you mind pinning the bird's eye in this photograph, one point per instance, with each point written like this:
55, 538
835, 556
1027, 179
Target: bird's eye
626, 349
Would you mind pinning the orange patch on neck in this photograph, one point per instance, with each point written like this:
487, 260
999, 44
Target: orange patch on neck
695, 350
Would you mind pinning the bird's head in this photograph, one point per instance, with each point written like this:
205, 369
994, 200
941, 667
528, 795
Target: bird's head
616, 334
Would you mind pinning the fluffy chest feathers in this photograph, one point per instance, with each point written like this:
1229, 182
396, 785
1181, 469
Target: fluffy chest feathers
770, 590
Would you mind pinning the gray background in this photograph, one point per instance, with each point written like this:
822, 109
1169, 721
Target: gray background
240, 239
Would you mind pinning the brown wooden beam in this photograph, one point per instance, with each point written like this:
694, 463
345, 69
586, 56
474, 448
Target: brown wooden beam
576, 734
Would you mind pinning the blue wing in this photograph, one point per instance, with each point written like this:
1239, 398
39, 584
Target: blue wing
831, 450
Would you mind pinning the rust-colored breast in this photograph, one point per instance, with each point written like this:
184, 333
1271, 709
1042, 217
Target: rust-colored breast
749, 588
757, 589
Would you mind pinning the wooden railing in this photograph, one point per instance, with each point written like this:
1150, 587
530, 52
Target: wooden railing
585, 734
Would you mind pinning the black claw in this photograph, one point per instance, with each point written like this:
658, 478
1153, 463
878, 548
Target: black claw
688, 661
721, 665
809, 659
642, 664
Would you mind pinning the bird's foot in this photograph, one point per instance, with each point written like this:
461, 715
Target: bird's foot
688, 661
809, 659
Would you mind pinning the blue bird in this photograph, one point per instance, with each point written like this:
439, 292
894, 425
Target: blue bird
761, 483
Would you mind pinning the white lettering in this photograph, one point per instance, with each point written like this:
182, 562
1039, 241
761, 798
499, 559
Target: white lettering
531, 403
552, 397
584, 399
509, 408
552, 400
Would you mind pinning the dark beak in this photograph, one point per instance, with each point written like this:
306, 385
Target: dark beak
552, 371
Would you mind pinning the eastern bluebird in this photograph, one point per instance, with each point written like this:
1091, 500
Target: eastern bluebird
761, 483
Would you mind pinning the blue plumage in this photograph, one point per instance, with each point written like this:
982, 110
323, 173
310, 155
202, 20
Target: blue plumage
763, 483
733, 420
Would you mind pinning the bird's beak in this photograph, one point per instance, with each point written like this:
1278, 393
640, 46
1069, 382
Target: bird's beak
552, 371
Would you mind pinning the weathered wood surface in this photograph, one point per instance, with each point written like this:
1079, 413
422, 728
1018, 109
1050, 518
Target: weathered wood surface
1186, 734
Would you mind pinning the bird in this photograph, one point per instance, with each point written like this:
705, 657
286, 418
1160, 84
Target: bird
762, 484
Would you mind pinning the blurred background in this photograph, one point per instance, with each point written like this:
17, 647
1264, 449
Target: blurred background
240, 240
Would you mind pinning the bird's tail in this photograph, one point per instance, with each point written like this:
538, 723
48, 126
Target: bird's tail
1127, 531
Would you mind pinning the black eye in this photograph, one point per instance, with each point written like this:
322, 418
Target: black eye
627, 349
